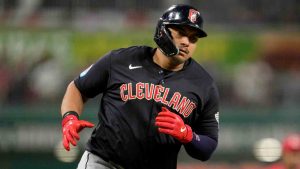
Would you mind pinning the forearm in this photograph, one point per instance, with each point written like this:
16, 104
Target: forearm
201, 147
71, 125
72, 100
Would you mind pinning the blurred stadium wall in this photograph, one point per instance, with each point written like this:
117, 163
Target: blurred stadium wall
252, 51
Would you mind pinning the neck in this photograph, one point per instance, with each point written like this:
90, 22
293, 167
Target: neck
165, 62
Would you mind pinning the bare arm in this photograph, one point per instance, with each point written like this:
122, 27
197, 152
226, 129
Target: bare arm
73, 100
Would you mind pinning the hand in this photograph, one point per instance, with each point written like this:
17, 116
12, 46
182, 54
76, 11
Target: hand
71, 126
172, 124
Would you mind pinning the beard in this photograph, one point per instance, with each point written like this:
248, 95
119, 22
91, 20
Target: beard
179, 59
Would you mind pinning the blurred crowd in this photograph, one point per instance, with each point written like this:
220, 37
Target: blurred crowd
32, 67
36, 66
273, 79
27, 82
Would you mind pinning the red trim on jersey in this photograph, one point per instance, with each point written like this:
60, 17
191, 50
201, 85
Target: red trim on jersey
139, 90
164, 97
130, 94
189, 109
149, 92
123, 88
157, 91
174, 100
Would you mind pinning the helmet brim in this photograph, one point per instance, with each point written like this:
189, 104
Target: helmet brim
201, 33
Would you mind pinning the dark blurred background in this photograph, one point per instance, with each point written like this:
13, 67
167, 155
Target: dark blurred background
252, 51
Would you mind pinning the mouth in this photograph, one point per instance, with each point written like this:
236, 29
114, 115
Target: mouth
184, 51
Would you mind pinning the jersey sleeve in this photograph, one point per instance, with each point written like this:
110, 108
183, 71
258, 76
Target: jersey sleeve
208, 121
94, 79
206, 128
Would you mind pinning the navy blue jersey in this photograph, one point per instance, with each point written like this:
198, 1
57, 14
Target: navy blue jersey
134, 90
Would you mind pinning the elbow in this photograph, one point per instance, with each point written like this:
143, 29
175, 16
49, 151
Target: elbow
201, 156
202, 150
205, 158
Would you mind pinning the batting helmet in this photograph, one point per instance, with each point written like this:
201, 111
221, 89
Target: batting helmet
182, 15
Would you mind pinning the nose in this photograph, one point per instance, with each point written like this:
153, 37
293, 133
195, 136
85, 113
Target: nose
184, 41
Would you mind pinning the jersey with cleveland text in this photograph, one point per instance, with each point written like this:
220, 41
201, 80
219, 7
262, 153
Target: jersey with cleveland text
134, 89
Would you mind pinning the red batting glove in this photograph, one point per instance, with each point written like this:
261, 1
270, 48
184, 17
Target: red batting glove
71, 126
172, 124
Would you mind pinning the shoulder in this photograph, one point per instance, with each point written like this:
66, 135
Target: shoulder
129, 55
130, 51
197, 72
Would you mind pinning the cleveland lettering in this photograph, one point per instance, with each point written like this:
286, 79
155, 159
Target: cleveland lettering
158, 93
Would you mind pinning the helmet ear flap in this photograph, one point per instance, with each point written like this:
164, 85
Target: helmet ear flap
164, 40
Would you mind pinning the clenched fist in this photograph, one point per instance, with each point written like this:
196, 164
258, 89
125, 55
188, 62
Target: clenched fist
172, 124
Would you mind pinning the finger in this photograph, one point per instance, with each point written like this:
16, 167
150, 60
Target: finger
164, 119
165, 125
74, 134
165, 131
84, 123
167, 114
70, 139
66, 143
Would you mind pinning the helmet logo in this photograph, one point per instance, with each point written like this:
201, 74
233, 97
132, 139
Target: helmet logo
193, 15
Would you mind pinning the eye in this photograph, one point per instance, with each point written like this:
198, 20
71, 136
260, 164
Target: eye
180, 33
193, 39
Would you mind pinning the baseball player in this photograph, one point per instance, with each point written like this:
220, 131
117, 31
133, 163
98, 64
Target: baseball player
154, 101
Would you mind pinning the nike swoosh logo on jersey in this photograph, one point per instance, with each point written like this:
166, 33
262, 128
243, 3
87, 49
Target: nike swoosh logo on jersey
182, 129
134, 67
